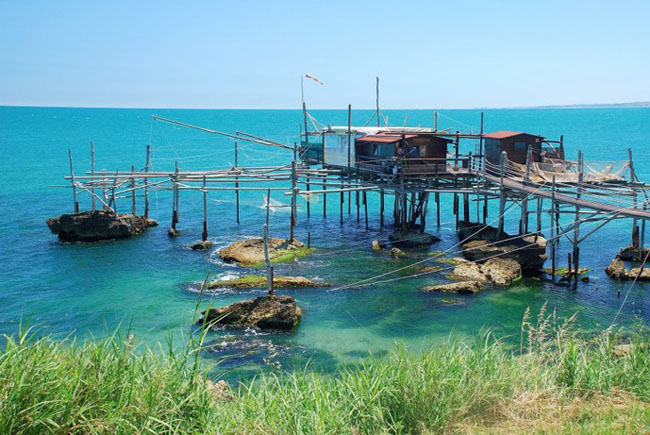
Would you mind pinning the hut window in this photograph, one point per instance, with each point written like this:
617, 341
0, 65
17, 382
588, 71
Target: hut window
375, 150
520, 145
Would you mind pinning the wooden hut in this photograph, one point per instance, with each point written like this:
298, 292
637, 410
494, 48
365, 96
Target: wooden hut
384, 152
514, 143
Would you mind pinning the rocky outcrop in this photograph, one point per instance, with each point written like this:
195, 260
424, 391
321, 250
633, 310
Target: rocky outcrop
267, 312
412, 239
497, 271
501, 271
251, 252
643, 276
482, 245
95, 225
202, 246
259, 281
630, 253
617, 270
463, 287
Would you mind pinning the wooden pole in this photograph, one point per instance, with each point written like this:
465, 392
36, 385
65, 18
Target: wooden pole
576, 229
175, 205
356, 196
269, 268
341, 207
146, 187
237, 182
502, 194
381, 207
92, 180
133, 207
553, 230
480, 142
539, 218
308, 187
204, 236
74, 185
437, 197
466, 207
365, 207
113, 200
377, 101
294, 192
104, 187
635, 229
435, 120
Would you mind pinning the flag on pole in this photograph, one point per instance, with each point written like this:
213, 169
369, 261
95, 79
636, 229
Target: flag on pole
309, 76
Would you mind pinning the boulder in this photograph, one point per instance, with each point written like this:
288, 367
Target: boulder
95, 225
617, 270
202, 246
645, 274
481, 245
462, 287
630, 253
251, 252
397, 252
258, 281
267, 312
501, 271
468, 271
412, 239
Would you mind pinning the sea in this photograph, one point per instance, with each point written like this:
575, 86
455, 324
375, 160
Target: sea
148, 286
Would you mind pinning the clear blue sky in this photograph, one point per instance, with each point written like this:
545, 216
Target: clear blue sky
250, 54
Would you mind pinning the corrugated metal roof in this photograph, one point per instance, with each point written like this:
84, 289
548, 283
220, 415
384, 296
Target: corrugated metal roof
384, 138
506, 134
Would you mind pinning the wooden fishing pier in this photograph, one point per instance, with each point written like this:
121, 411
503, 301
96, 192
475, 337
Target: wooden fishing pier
408, 164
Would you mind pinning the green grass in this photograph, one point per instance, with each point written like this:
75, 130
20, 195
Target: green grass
553, 381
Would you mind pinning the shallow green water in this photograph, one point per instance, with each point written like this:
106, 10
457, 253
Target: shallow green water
149, 282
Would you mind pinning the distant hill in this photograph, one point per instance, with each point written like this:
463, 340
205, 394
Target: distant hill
635, 105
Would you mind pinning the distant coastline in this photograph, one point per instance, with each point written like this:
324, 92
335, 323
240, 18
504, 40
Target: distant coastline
634, 105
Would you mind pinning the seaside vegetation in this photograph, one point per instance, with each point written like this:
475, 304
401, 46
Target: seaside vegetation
555, 380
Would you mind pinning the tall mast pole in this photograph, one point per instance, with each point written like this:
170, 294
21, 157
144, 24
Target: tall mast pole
377, 100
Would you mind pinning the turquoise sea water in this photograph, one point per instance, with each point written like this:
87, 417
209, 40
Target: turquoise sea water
149, 282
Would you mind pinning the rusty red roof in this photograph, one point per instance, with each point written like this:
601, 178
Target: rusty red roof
506, 134
385, 138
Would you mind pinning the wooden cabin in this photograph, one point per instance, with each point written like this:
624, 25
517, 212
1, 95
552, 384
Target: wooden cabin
384, 151
514, 143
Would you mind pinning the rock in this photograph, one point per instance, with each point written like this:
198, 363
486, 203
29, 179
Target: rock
564, 272
584, 279
201, 246
617, 270
469, 271
267, 312
501, 271
251, 252
645, 274
463, 287
481, 246
630, 253
456, 302
397, 252
220, 390
279, 281
95, 225
376, 246
172, 232
622, 349
412, 239
151, 222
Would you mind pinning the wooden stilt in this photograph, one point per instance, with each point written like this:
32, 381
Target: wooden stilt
92, 180
341, 207
466, 207
635, 229
104, 187
74, 185
133, 208
324, 202
237, 181
381, 207
365, 208
437, 198
308, 187
294, 193
502, 193
576, 228
553, 216
204, 236
175, 205
146, 187
356, 195
269, 268
539, 218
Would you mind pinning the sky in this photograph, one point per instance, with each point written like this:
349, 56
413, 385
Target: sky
251, 54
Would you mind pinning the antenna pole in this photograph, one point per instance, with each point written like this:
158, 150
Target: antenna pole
377, 100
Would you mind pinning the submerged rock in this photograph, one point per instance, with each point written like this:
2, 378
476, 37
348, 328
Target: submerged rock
412, 239
251, 252
267, 312
202, 246
644, 276
172, 232
469, 271
617, 269
463, 287
279, 281
95, 225
397, 252
376, 246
